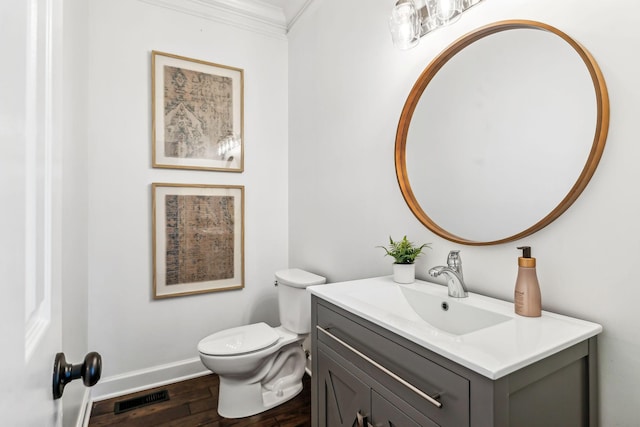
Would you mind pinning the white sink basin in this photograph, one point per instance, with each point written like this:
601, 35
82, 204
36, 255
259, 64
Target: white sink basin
429, 306
450, 315
481, 333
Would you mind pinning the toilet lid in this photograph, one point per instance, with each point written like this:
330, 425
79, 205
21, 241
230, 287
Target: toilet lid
242, 339
297, 278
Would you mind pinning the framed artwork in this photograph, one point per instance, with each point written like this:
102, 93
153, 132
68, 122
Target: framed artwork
197, 114
198, 238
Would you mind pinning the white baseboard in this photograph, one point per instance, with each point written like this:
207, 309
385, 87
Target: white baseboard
144, 379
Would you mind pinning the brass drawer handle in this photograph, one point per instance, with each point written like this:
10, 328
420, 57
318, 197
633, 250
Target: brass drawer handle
413, 388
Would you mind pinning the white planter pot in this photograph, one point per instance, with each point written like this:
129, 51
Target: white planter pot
404, 273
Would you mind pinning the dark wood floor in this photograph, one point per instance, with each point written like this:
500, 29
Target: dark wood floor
194, 403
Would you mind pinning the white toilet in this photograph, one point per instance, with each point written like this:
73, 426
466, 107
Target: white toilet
259, 366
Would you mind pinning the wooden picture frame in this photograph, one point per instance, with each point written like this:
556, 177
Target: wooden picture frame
198, 238
198, 114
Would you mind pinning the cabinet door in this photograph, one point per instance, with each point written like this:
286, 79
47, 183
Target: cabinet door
341, 395
385, 414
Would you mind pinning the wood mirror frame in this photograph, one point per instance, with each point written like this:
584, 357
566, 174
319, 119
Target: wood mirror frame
597, 147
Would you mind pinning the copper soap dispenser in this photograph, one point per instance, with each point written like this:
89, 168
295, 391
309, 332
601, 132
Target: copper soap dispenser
527, 298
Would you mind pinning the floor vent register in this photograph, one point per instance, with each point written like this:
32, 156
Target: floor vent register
138, 402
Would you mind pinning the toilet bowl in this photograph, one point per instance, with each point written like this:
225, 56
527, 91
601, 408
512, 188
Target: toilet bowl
260, 366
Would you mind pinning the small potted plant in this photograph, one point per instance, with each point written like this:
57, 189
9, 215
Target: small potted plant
404, 253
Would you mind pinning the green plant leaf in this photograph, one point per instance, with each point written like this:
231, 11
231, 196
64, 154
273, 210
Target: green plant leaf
403, 251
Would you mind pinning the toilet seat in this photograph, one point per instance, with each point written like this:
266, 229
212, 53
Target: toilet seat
239, 340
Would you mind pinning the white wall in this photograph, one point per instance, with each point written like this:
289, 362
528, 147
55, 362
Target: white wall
130, 329
347, 87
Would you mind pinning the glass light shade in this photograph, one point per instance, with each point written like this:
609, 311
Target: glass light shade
444, 11
404, 25
466, 4
227, 144
427, 22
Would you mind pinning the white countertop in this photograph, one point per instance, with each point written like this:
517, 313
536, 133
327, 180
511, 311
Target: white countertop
494, 352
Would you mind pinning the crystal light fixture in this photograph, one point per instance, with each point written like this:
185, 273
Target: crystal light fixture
405, 25
412, 19
227, 144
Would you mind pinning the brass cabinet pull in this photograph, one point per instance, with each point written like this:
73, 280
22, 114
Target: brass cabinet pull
404, 382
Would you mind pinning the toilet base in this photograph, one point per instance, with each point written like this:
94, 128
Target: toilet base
243, 400
279, 381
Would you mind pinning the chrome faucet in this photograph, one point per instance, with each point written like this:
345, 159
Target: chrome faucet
453, 272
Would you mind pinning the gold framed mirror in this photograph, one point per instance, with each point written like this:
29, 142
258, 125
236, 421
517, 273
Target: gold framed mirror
501, 133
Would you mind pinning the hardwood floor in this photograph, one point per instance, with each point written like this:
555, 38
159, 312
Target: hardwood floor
194, 403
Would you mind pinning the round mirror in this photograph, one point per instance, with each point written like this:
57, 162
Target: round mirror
501, 133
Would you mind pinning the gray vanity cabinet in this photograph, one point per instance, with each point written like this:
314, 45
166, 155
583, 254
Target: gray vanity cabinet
365, 375
348, 397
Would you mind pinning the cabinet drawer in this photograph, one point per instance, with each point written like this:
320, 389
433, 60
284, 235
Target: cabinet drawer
367, 348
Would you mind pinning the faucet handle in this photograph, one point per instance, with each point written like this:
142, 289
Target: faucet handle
455, 262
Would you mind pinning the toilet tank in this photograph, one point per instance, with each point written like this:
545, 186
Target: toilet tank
294, 302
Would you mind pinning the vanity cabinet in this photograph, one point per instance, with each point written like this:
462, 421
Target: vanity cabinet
365, 375
348, 397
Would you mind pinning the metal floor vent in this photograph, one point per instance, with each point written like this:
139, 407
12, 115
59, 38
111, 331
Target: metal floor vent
138, 402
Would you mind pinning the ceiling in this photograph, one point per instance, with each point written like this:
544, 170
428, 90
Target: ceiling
290, 8
274, 17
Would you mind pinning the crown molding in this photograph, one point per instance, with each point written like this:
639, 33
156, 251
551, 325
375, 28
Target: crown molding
249, 15
299, 10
